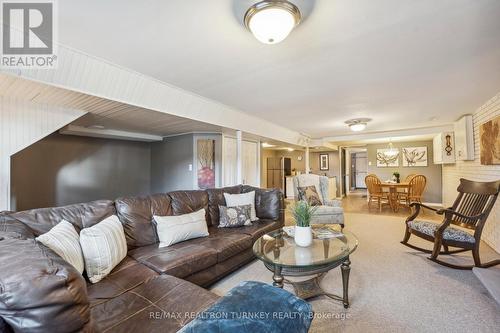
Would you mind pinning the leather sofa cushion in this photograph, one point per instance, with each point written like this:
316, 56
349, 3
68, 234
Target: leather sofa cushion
214, 273
226, 241
216, 198
136, 215
12, 228
184, 202
180, 260
39, 291
145, 308
259, 228
268, 202
127, 275
82, 215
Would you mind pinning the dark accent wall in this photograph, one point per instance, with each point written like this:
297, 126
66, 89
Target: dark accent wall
64, 169
170, 160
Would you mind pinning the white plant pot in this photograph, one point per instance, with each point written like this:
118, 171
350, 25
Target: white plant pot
303, 236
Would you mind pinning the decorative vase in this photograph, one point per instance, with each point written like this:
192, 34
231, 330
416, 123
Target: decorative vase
303, 236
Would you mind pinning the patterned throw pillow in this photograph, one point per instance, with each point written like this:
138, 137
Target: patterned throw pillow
231, 217
310, 195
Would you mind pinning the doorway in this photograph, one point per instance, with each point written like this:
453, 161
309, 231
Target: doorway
359, 167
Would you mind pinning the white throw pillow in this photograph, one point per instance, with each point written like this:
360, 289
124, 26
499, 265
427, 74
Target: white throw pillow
234, 200
175, 229
64, 240
103, 247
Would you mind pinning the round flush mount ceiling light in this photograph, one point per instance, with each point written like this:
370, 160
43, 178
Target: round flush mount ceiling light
272, 21
358, 124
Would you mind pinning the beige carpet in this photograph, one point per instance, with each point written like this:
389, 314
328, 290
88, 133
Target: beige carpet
393, 288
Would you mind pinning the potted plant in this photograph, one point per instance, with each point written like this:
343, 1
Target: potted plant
302, 212
396, 175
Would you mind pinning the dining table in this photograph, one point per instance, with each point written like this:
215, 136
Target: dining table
393, 192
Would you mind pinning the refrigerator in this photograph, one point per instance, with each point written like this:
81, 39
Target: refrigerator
277, 169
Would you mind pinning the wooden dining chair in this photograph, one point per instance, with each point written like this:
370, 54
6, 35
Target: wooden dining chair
403, 193
470, 210
416, 188
409, 177
375, 192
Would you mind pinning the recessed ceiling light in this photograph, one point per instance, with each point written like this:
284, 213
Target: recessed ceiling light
289, 149
272, 21
358, 124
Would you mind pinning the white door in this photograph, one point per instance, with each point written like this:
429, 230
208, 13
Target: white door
250, 163
229, 160
361, 169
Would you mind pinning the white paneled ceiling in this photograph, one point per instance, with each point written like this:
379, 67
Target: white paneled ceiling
404, 63
102, 112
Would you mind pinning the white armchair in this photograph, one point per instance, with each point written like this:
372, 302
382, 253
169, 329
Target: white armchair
331, 212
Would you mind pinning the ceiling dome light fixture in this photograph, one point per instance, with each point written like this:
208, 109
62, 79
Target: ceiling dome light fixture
271, 21
358, 124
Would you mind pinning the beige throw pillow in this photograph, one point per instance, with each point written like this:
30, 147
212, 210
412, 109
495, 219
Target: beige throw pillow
103, 247
235, 200
64, 240
175, 229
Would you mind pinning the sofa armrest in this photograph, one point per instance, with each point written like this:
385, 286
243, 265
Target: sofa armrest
44, 293
333, 203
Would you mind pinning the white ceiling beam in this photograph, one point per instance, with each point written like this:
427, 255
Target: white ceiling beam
109, 134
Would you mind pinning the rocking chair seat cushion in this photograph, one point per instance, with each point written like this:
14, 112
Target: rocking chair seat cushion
450, 233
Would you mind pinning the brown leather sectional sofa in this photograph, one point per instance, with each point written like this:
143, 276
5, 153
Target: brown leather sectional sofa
152, 289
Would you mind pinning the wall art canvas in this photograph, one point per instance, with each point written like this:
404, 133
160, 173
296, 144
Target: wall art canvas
387, 158
323, 162
489, 134
415, 157
205, 149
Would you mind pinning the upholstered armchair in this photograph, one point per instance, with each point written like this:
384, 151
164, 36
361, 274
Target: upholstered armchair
331, 211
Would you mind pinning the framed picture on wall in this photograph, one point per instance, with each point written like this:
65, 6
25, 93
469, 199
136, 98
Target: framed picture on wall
205, 163
489, 134
415, 156
387, 158
323, 162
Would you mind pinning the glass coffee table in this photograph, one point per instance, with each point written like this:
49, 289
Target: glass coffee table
283, 257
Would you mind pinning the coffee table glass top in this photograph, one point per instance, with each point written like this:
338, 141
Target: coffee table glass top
278, 248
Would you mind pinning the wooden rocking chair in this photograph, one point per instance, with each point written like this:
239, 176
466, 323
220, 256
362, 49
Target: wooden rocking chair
470, 210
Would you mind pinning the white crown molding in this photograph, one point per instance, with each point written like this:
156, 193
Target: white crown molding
386, 134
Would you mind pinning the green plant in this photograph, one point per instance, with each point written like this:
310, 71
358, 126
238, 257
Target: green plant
396, 174
302, 212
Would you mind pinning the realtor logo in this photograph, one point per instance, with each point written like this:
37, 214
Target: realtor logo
28, 34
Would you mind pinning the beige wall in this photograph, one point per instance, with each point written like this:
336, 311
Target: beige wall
433, 172
333, 163
473, 170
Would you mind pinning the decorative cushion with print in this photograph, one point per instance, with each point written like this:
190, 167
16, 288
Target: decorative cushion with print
231, 217
310, 195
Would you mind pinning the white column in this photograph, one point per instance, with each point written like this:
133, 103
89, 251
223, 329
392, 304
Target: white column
307, 160
239, 154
